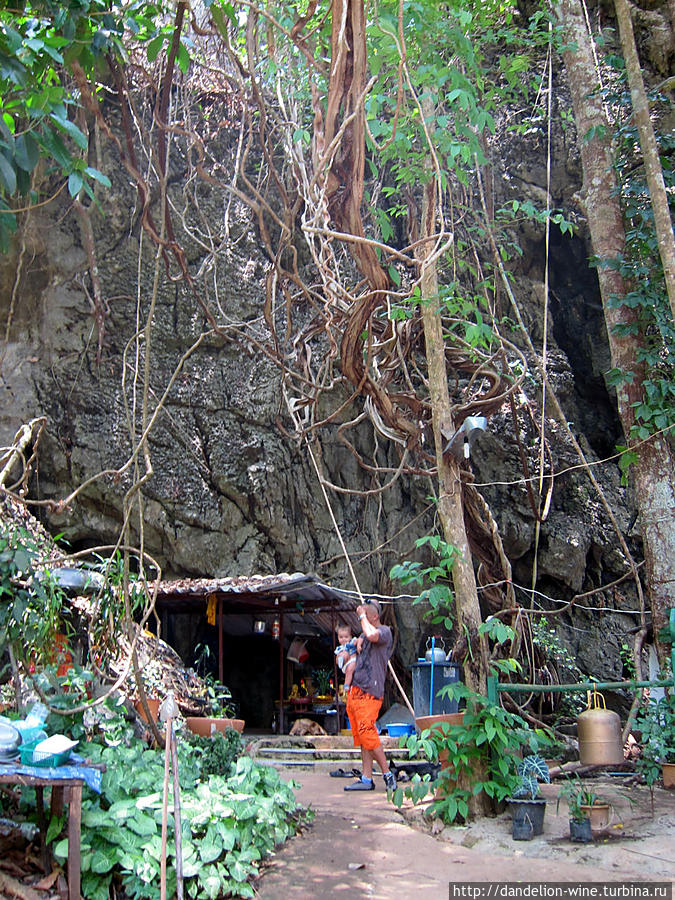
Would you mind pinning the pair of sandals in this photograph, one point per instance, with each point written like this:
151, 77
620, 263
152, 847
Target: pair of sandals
347, 773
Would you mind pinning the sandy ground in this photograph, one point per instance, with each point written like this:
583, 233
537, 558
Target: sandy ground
360, 845
634, 842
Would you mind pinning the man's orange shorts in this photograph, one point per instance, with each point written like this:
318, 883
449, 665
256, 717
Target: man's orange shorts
363, 711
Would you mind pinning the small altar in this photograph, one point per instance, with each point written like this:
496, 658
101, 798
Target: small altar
324, 710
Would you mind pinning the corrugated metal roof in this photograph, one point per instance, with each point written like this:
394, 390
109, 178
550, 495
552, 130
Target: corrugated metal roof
301, 597
298, 584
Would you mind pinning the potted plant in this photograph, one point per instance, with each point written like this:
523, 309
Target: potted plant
219, 710
585, 803
527, 804
577, 796
550, 747
323, 679
656, 722
219, 707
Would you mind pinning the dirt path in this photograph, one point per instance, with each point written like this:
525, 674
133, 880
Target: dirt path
360, 845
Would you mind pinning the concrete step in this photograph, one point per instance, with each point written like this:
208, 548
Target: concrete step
322, 754
323, 750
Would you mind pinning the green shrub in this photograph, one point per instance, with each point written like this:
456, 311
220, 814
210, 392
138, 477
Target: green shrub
216, 754
228, 825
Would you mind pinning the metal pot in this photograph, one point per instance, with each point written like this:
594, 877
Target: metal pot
435, 654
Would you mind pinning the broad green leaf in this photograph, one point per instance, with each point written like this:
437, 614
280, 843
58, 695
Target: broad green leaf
71, 129
7, 175
54, 829
183, 58
210, 847
141, 824
7, 126
154, 47
75, 182
103, 862
52, 143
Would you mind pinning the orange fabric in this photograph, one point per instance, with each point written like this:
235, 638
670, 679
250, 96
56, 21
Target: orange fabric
363, 711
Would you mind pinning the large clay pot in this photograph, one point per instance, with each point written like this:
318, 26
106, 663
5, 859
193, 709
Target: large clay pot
424, 722
598, 814
201, 725
668, 775
153, 706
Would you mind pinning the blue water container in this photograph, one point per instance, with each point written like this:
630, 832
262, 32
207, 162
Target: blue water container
444, 673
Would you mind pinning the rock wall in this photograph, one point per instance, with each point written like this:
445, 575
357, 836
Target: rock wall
231, 491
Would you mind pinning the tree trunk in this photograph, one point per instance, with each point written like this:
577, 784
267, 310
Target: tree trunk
450, 501
655, 467
650, 150
344, 191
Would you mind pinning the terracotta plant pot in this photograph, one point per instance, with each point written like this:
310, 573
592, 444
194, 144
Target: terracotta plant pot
424, 722
153, 706
598, 814
668, 775
201, 725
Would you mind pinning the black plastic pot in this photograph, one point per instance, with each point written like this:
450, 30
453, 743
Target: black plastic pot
528, 818
580, 832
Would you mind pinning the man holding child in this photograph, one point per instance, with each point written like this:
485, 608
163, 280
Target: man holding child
374, 647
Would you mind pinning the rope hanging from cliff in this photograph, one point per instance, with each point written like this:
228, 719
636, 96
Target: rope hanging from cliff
542, 515
315, 464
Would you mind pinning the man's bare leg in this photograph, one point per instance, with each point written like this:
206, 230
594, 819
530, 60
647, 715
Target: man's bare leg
367, 757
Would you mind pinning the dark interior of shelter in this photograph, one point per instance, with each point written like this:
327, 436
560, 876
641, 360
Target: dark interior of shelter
251, 665
270, 642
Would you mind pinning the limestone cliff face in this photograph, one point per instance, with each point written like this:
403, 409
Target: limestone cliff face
231, 490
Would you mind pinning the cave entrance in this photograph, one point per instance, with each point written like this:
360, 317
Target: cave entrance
265, 634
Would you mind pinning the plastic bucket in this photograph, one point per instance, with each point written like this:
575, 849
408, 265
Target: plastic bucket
580, 832
400, 729
528, 818
522, 830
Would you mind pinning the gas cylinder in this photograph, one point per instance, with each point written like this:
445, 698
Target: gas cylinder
599, 733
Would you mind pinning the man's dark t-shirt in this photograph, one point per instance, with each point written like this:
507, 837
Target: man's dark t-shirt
371, 663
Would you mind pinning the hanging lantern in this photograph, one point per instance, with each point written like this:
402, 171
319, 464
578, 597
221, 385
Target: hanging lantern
276, 628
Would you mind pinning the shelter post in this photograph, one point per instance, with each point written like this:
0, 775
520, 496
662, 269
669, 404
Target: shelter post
281, 672
221, 674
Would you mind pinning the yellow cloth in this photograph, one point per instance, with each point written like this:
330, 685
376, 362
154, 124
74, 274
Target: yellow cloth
211, 610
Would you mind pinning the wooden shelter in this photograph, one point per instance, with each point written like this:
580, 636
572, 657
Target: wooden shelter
289, 605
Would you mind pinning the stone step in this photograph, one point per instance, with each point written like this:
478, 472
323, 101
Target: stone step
325, 753
307, 751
